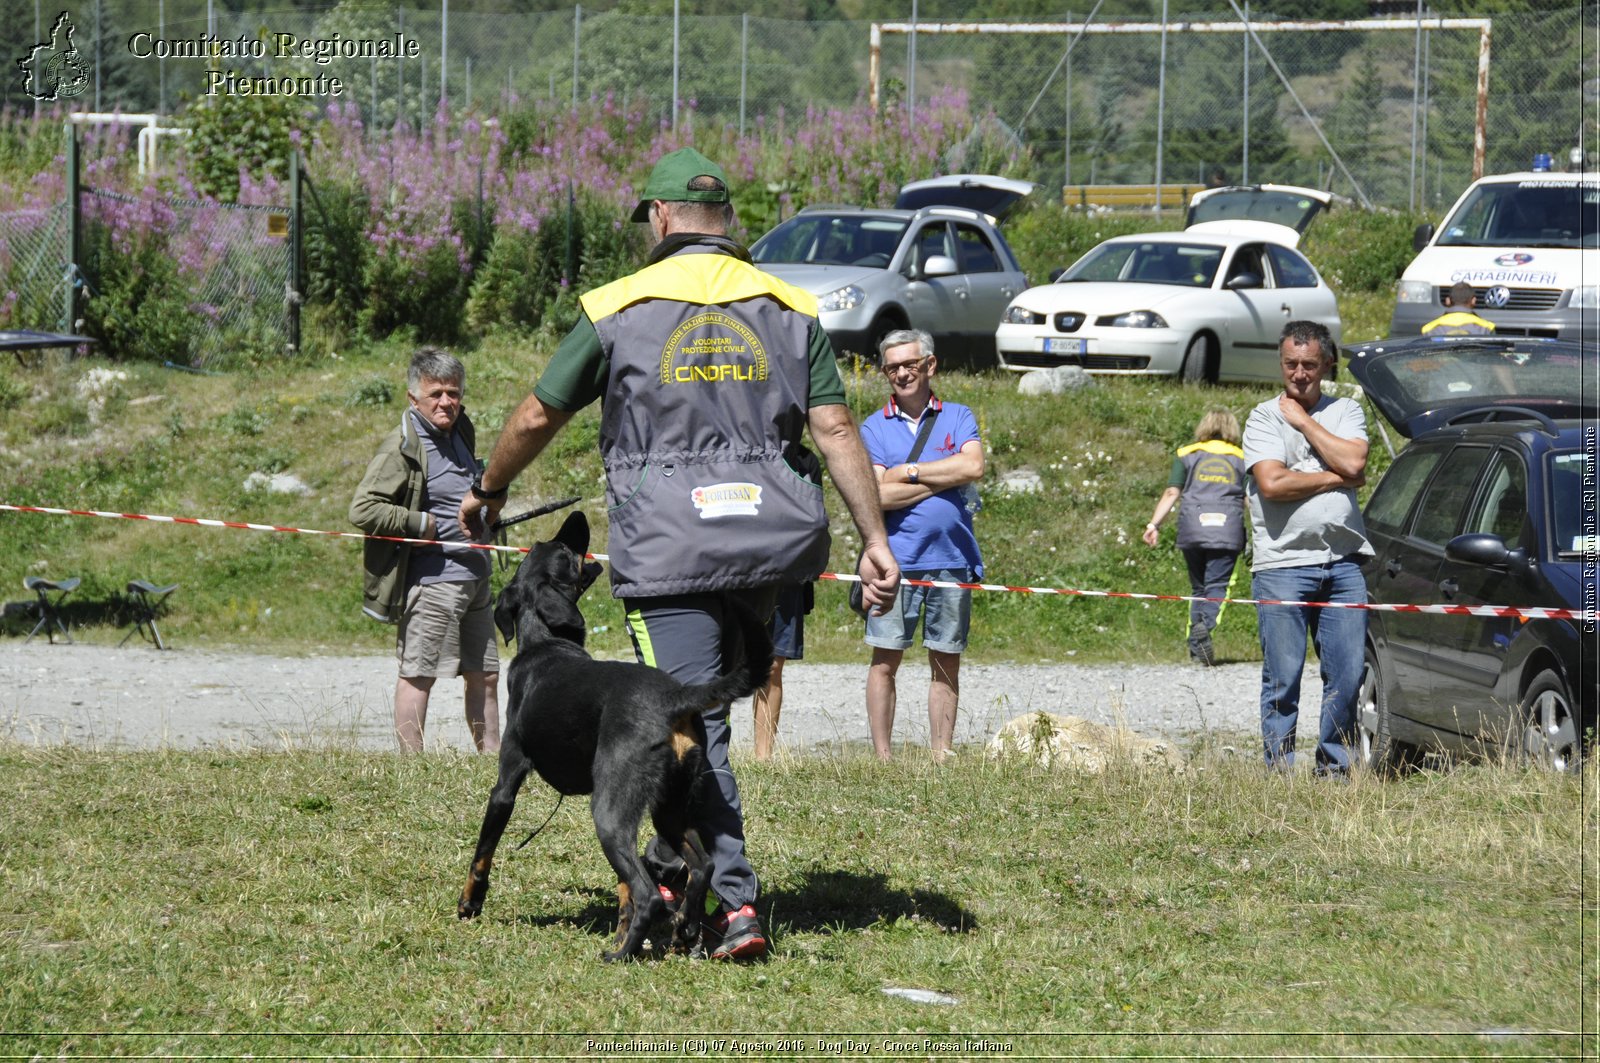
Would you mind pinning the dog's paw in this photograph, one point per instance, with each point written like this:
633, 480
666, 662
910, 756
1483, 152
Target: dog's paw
619, 956
468, 909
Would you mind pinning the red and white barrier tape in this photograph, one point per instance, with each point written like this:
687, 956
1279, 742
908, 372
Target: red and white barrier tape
1502, 611
247, 526
1511, 611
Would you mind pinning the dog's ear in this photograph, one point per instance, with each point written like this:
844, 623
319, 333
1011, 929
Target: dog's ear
506, 608
574, 533
559, 614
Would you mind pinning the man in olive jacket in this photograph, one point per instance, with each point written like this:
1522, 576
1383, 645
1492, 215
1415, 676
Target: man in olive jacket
440, 597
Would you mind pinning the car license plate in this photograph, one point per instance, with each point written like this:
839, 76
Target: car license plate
1055, 346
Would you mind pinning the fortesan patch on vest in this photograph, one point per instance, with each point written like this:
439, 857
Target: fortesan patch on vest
1213, 520
726, 500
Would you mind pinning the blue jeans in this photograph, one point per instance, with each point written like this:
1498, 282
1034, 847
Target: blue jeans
1339, 636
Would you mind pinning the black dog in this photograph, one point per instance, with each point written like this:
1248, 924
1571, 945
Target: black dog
629, 734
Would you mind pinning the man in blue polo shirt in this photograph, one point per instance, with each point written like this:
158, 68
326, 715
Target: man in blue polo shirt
928, 504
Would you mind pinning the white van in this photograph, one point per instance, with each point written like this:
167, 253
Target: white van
1528, 243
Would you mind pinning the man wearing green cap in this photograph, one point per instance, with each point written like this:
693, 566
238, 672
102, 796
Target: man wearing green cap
708, 371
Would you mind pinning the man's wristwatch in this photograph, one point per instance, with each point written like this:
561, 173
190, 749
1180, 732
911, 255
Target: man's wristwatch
483, 494
911, 473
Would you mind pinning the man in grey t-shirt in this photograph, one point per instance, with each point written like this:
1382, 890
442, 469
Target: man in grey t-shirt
1307, 455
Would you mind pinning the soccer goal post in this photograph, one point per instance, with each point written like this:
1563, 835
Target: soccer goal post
1254, 30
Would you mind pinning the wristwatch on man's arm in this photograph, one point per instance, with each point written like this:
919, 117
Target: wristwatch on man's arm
912, 472
483, 494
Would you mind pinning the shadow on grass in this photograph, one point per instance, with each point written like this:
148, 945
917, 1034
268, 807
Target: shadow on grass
597, 916
824, 902
113, 611
827, 900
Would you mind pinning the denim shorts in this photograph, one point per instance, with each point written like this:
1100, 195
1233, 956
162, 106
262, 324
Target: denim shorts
945, 612
788, 625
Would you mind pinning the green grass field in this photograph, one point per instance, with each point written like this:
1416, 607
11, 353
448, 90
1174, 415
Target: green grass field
300, 905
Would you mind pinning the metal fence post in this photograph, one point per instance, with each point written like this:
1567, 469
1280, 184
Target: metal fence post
1416, 97
296, 235
74, 233
400, 68
744, 64
161, 62
674, 66
1244, 176
577, 28
1066, 131
1161, 106
911, 68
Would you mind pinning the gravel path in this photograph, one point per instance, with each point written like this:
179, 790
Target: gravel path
137, 697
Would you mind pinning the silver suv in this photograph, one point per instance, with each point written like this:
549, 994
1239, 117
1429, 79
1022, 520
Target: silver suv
928, 263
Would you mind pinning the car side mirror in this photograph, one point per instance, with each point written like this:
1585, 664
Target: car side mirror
1420, 238
1056, 273
1247, 279
939, 266
1482, 548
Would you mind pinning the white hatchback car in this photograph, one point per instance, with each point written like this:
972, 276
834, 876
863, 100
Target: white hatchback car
1205, 304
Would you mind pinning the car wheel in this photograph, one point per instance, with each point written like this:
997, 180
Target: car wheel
1195, 370
1550, 738
1380, 750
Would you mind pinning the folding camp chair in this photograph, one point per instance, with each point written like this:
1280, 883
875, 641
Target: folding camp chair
146, 600
48, 608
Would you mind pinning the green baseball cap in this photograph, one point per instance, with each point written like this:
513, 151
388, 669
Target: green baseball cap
669, 181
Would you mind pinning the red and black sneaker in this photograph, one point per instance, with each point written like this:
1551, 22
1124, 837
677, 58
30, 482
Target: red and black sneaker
738, 935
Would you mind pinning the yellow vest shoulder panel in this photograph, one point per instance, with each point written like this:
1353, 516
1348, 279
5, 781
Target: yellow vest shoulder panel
1211, 446
697, 279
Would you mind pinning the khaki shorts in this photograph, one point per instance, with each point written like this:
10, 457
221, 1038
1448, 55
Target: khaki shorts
446, 630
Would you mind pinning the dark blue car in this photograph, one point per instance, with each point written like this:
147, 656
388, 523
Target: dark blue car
1492, 503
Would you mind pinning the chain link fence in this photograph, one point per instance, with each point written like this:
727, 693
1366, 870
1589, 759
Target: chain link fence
33, 268
1384, 115
224, 266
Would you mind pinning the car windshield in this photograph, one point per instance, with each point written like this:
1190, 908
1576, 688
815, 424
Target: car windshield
1569, 470
1532, 213
832, 239
1148, 262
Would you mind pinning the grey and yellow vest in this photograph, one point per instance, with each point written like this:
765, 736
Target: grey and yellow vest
1211, 505
708, 484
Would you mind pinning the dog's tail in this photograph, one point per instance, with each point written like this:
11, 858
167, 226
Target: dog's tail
745, 639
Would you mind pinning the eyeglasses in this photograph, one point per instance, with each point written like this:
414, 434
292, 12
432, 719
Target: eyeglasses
916, 365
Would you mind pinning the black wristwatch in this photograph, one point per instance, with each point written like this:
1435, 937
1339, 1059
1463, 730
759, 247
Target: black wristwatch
483, 494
